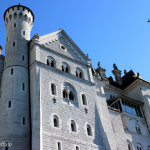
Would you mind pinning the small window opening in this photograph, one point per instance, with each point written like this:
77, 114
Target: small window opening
64, 94
53, 89
12, 8
7, 39
22, 57
59, 146
72, 127
77, 73
13, 44
23, 86
83, 99
71, 95
63, 47
9, 104
23, 120
77, 148
14, 25
52, 64
12, 71
89, 130
23, 32
48, 62
80, 75
55, 122
67, 70
62, 67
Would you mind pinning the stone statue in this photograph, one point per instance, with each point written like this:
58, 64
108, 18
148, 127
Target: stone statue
99, 64
114, 66
125, 71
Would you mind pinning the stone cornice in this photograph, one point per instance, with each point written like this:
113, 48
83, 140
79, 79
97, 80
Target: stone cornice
60, 71
98, 93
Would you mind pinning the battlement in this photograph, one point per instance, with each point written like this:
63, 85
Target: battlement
18, 12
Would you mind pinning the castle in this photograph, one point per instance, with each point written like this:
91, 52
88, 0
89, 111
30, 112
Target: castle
52, 98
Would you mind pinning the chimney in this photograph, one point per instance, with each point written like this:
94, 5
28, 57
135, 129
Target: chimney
117, 74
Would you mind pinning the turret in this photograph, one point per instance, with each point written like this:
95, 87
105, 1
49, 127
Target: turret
14, 102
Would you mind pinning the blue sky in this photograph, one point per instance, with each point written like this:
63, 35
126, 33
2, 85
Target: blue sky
110, 31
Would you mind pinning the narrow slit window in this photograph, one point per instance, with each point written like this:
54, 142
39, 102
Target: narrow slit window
14, 25
9, 104
53, 89
14, 44
23, 86
67, 70
55, 122
23, 120
12, 71
59, 146
24, 32
22, 57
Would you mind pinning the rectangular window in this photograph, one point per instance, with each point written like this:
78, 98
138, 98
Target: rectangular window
23, 57
23, 32
11, 71
23, 86
23, 120
9, 104
59, 146
14, 25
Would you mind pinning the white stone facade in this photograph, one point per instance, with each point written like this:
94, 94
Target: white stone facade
53, 99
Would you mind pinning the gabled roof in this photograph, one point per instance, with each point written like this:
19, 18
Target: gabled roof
43, 40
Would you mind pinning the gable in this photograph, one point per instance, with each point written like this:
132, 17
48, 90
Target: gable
61, 43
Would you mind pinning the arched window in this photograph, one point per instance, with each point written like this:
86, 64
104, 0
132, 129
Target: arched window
10, 17
71, 95
84, 100
89, 131
69, 92
20, 16
64, 93
65, 67
15, 15
53, 89
79, 73
73, 126
56, 121
139, 147
51, 62
138, 129
129, 145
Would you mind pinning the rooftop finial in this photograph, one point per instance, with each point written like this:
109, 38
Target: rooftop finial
19, 4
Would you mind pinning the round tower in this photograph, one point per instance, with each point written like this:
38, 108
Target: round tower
14, 101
